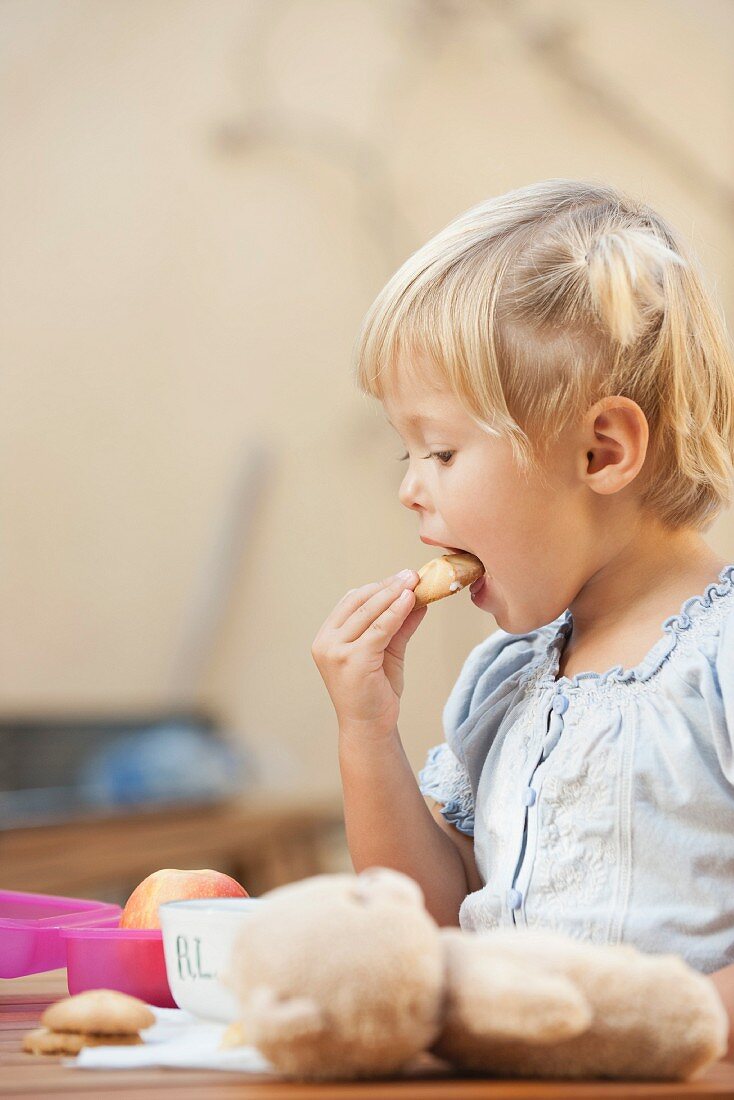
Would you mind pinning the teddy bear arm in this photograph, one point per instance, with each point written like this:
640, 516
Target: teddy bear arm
501, 999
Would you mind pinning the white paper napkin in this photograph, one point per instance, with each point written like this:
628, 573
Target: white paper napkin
177, 1038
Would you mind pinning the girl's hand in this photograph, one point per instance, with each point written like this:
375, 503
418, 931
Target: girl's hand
360, 651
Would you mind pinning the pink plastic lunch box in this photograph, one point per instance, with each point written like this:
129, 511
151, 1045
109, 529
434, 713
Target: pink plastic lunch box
45, 932
128, 959
30, 929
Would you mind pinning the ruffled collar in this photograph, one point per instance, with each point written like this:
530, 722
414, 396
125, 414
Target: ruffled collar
693, 608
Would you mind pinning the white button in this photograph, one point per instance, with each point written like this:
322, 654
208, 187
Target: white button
560, 704
514, 899
528, 797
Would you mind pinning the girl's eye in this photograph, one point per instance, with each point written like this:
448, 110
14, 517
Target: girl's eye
444, 457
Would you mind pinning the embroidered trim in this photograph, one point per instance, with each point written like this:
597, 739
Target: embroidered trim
698, 615
444, 779
570, 872
480, 911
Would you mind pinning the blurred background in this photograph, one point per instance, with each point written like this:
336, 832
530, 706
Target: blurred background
199, 199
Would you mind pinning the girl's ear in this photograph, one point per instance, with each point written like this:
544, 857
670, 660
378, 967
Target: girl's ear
615, 440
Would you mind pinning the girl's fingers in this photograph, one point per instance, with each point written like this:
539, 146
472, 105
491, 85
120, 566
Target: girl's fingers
384, 628
355, 599
367, 613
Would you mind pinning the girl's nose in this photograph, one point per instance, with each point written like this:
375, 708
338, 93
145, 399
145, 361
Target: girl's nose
410, 493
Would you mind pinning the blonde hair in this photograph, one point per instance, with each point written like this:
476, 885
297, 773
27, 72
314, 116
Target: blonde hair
534, 305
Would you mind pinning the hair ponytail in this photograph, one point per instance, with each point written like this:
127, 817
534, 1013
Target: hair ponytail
626, 273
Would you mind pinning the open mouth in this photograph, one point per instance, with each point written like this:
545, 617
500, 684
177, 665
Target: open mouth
450, 549
458, 550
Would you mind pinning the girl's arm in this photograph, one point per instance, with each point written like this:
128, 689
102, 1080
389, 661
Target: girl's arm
464, 845
724, 983
388, 823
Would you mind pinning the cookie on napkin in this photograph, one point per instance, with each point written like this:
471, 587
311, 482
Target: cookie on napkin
99, 1012
98, 1017
43, 1041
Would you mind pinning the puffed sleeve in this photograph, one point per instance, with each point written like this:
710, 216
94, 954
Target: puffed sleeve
446, 780
471, 717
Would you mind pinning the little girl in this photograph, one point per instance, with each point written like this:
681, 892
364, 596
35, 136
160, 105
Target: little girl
562, 382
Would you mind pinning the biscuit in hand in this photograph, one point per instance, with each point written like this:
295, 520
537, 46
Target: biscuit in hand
98, 1012
446, 575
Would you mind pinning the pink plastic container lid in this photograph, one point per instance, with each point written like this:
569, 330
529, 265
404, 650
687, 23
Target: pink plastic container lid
130, 960
31, 926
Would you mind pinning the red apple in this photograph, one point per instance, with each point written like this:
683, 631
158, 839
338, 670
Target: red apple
170, 884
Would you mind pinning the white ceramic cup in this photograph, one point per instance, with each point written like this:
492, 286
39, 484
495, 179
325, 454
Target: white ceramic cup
198, 936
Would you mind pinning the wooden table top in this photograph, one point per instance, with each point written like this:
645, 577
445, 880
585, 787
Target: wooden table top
22, 1000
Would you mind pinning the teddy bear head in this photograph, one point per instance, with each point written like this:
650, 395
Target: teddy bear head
340, 975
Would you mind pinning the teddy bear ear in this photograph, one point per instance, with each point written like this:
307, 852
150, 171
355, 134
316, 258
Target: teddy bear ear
383, 882
285, 1017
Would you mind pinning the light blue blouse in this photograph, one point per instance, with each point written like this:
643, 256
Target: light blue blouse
601, 805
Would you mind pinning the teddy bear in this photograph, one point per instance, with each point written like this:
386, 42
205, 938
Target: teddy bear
348, 976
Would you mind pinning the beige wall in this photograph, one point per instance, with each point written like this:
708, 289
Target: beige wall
199, 198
